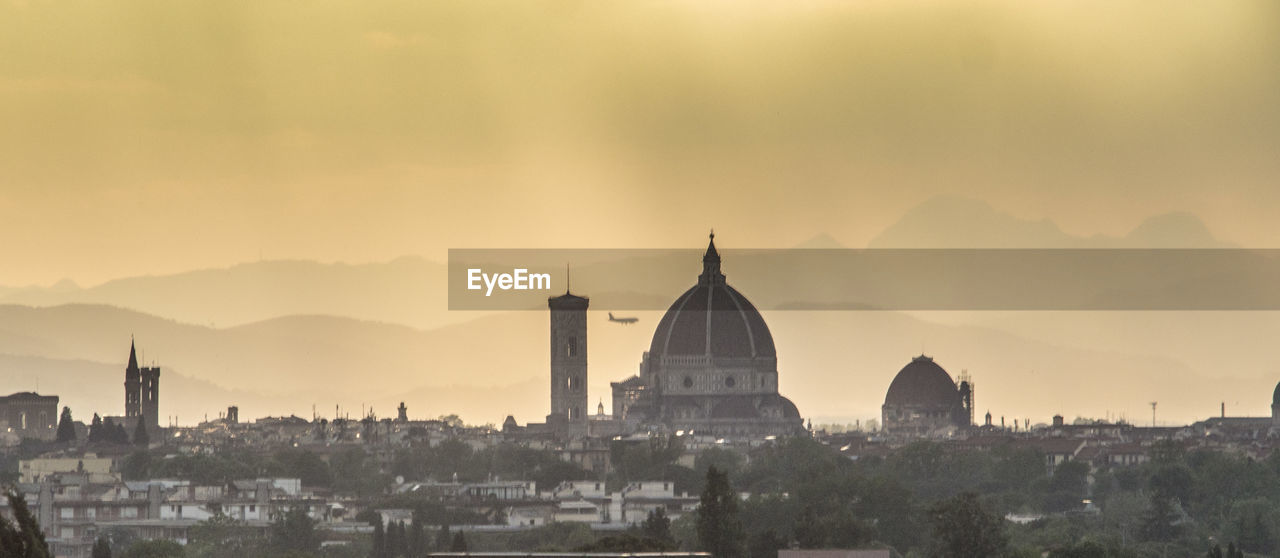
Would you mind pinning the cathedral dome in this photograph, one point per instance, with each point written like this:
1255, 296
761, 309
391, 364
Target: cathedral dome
922, 383
712, 319
1275, 396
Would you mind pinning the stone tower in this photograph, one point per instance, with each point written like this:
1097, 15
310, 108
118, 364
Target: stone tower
141, 391
568, 357
150, 396
132, 384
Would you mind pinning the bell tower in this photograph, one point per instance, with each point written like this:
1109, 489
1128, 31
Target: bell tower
569, 356
132, 384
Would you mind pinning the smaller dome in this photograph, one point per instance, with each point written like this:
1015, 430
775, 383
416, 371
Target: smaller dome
923, 383
1275, 396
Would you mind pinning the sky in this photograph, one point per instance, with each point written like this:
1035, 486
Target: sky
142, 137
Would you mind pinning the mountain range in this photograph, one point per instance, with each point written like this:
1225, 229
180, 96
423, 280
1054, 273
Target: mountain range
281, 337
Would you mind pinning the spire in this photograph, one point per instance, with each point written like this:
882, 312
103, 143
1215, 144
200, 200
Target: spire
711, 263
133, 356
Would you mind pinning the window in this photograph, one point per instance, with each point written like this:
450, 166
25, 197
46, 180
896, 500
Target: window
729, 382
571, 348
688, 382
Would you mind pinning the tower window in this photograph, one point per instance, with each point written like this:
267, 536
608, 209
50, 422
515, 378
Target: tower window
571, 348
729, 382
688, 382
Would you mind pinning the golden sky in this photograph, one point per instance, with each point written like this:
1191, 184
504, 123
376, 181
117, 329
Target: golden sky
159, 136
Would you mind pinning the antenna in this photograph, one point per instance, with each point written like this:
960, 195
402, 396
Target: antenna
1153, 414
566, 277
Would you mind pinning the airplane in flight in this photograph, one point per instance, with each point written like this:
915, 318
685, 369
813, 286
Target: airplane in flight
628, 320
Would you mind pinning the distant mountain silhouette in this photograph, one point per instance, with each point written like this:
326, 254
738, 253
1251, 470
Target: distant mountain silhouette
820, 241
833, 364
954, 222
273, 366
408, 290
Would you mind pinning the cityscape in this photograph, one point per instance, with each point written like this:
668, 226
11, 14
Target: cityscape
691, 279
705, 402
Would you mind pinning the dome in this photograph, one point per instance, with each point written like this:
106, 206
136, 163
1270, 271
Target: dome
712, 319
1275, 396
923, 383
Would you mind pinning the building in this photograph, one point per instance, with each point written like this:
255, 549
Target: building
95, 469
29, 415
923, 400
73, 511
568, 359
141, 393
711, 367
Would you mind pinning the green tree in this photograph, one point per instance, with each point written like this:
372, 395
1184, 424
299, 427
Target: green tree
657, 526
416, 544
140, 436
303, 464
765, 544
118, 434
626, 542
354, 473
23, 537
443, 538
1161, 520
379, 547
154, 549
459, 543
96, 431
66, 427
137, 466
963, 528
294, 530
101, 548
222, 537
718, 525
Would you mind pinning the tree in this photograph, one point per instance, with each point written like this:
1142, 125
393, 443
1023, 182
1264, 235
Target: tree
443, 538
23, 536
140, 436
221, 536
416, 545
294, 530
963, 528
96, 432
66, 428
154, 549
657, 526
718, 525
379, 546
118, 434
101, 548
459, 543
765, 544
395, 539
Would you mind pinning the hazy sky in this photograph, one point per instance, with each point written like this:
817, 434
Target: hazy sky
145, 137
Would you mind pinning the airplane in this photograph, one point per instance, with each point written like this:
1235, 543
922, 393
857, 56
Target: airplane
630, 320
